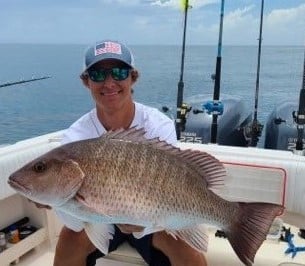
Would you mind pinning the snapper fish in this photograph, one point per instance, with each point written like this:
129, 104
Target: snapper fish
124, 178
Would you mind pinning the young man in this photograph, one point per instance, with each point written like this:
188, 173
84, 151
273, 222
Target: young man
109, 73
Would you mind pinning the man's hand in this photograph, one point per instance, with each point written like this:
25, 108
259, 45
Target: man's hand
40, 206
129, 228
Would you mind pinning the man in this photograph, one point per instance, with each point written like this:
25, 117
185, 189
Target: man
109, 74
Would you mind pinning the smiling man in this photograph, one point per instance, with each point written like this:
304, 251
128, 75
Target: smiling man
109, 73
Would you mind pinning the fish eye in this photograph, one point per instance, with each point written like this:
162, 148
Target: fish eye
40, 167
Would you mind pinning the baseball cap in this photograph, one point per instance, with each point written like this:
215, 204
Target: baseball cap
107, 49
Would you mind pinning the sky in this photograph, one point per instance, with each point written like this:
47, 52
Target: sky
151, 21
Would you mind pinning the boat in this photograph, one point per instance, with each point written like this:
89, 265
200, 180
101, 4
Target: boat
272, 174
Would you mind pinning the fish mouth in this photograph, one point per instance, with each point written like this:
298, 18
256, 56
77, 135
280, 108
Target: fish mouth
17, 186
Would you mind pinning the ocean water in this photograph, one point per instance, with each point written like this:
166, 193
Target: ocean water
40, 107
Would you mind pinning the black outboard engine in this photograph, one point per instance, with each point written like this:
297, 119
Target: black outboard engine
285, 125
231, 123
281, 130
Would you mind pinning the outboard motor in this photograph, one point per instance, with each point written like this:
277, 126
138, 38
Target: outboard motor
285, 125
231, 123
281, 130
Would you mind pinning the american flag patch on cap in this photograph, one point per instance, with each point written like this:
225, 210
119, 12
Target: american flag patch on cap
108, 47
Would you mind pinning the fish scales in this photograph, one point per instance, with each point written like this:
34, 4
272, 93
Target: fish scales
130, 173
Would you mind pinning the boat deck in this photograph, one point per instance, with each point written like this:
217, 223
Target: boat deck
44, 255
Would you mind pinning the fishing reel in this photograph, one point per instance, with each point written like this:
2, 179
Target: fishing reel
183, 111
253, 132
298, 118
213, 107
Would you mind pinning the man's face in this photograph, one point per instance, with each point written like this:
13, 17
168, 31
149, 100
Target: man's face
111, 94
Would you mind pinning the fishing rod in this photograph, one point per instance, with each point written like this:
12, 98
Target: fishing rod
22, 81
181, 108
300, 116
256, 127
217, 106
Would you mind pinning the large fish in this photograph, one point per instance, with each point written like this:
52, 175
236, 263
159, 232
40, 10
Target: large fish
123, 178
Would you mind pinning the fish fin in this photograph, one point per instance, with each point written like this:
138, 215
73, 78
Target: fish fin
82, 200
73, 180
131, 134
197, 237
147, 231
137, 135
100, 234
250, 228
70, 221
210, 168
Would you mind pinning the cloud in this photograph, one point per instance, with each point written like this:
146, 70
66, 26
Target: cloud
180, 3
284, 17
121, 2
241, 26
202, 3
239, 17
148, 22
286, 25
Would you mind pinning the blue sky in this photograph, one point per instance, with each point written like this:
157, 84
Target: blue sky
150, 21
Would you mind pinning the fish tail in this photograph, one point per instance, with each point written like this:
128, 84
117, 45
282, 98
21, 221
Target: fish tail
250, 228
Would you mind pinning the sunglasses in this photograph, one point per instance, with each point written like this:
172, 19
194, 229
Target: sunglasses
117, 73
